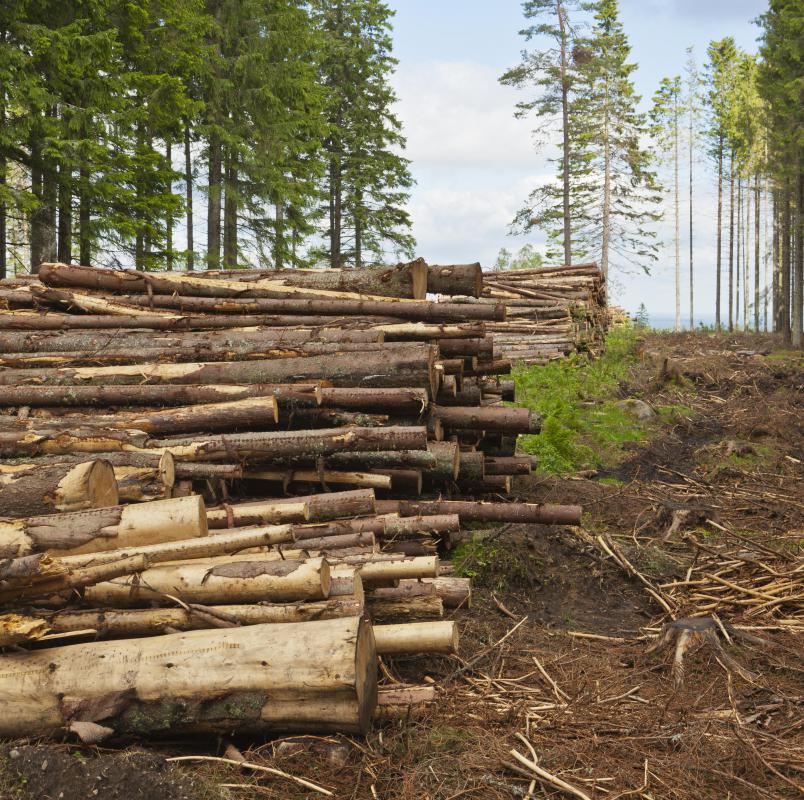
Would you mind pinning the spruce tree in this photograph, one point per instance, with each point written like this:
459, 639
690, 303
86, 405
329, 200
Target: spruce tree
549, 70
693, 100
367, 180
616, 191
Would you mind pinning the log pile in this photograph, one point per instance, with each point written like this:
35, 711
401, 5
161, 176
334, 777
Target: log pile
224, 496
551, 311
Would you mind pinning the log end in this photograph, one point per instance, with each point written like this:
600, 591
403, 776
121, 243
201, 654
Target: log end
366, 675
102, 485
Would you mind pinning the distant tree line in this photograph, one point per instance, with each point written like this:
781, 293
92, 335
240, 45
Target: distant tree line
745, 111
116, 116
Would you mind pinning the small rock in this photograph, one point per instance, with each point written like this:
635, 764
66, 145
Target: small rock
638, 409
14, 754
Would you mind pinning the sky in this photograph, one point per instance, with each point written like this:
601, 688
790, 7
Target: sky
475, 164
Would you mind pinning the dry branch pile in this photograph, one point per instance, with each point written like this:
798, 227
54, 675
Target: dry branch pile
551, 311
254, 474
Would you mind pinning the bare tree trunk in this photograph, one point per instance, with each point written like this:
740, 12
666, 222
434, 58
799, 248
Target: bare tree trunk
766, 251
36, 216
279, 236
84, 208
606, 221
3, 167
738, 265
335, 213
230, 215
719, 255
214, 204
561, 14
798, 294
756, 254
188, 185
169, 217
677, 219
746, 253
731, 241
784, 296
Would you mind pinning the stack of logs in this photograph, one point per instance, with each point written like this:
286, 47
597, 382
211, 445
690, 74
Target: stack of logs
552, 312
222, 477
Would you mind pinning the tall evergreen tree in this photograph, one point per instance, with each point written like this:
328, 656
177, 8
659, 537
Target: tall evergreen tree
550, 70
693, 98
616, 191
666, 116
719, 81
367, 180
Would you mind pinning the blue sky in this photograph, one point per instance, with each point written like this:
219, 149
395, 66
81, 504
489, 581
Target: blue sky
475, 164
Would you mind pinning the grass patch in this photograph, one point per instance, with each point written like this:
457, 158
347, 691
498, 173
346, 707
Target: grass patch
488, 562
582, 428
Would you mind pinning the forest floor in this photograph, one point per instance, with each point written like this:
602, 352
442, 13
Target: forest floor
698, 508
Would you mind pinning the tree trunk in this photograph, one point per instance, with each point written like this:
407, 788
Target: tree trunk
797, 337
606, 215
407, 366
335, 212
214, 204
766, 254
487, 512
786, 264
230, 254
731, 241
456, 279
565, 132
398, 401
188, 194
439, 460
30, 489
65, 244
677, 217
3, 184
513, 465
39, 213
247, 581
719, 246
746, 252
454, 592
105, 528
738, 263
84, 215
154, 395
184, 682
756, 254
692, 271
404, 609
169, 217
418, 637
117, 623
488, 418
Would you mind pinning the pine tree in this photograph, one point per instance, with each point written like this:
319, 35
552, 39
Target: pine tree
367, 181
693, 98
550, 206
616, 190
666, 116
719, 80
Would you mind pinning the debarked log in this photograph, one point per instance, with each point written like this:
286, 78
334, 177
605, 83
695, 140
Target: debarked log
185, 683
417, 637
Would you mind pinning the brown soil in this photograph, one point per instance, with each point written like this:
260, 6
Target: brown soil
576, 678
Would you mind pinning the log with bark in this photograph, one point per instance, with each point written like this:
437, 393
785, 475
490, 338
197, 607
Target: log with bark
33, 489
293, 477
104, 528
403, 365
468, 511
407, 609
185, 683
460, 279
154, 394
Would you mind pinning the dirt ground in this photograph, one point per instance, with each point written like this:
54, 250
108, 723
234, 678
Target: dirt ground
705, 519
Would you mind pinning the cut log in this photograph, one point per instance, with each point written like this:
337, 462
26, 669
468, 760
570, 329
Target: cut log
340, 527
403, 365
468, 395
118, 622
153, 395
491, 484
404, 703
316, 507
230, 541
419, 637
326, 545
397, 401
66, 439
32, 489
473, 466
440, 459
286, 478
500, 367
455, 592
333, 418
513, 465
463, 348
237, 582
490, 418
408, 609
100, 341
468, 511
403, 481
460, 279
291, 444
411, 527
189, 471
423, 331
105, 528
184, 682
267, 299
